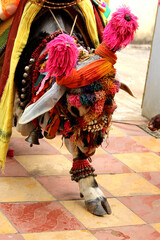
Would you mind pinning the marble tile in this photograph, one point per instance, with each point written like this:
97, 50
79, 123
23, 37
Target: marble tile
129, 129
146, 207
122, 145
15, 133
153, 144
65, 235
58, 144
15, 189
13, 168
152, 177
120, 216
100, 150
126, 184
107, 163
40, 217
141, 162
116, 132
45, 165
156, 226
61, 187
11, 237
5, 226
21, 147
128, 232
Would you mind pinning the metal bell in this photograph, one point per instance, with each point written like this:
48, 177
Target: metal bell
40, 134
33, 137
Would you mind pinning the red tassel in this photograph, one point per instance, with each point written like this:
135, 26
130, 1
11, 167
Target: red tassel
81, 169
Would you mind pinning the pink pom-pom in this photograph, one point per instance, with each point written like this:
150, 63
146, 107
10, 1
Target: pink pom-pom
63, 55
120, 29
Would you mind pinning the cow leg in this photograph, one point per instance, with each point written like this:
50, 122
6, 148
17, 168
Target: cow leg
95, 201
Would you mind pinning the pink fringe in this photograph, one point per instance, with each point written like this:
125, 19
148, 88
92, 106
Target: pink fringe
42, 83
63, 55
120, 32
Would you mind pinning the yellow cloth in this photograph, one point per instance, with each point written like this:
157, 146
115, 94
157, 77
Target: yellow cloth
6, 104
87, 10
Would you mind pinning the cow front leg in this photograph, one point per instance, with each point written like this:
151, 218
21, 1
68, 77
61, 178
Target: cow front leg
95, 201
82, 172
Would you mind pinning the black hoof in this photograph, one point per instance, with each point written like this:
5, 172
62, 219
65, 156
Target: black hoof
98, 206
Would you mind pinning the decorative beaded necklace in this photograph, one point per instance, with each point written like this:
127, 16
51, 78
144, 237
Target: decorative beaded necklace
54, 5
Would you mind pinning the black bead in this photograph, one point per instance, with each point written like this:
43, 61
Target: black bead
127, 17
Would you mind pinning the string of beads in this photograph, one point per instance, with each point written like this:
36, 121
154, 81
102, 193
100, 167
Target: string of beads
53, 4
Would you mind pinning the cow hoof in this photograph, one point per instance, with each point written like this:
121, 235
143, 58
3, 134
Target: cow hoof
98, 206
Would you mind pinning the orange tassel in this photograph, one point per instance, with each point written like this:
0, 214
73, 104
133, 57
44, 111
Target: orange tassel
93, 71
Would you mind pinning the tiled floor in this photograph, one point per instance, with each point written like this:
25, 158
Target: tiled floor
38, 201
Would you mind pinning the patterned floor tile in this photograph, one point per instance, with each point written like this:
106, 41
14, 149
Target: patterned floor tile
125, 233
125, 145
67, 235
156, 226
61, 187
11, 237
16, 134
116, 132
5, 225
141, 162
152, 177
100, 151
21, 147
40, 217
146, 207
126, 184
153, 144
15, 189
107, 163
130, 130
13, 168
120, 216
44, 165
58, 144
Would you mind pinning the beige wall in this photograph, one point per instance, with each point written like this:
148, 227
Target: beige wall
151, 100
146, 13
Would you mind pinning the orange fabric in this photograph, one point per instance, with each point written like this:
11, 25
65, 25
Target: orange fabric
52, 128
103, 51
92, 71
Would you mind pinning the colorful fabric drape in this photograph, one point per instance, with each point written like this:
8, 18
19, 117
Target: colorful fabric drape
6, 104
87, 10
9, 47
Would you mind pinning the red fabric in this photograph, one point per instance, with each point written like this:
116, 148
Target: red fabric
80, 164
10, 43
100, 27
10, 153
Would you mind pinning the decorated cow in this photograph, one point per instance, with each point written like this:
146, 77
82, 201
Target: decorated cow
61, 87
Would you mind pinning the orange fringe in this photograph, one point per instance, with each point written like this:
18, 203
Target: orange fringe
93, 71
